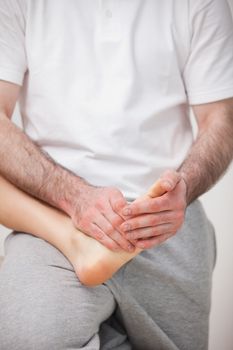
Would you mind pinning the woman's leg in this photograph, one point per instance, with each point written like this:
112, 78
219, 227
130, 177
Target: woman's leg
93, 263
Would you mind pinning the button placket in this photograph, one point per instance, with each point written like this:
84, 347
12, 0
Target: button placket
109, 23
108, 13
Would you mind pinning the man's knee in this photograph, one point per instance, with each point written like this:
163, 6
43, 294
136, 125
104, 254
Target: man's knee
28, 323
30, 331
46, 307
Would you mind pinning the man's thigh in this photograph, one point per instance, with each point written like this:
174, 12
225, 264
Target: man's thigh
163, 294
42, 303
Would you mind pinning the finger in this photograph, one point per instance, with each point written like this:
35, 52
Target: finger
149, 232
169, 179
103, 223
147, 206
114, 218
117, 202
148, 220
153, 242
101, 237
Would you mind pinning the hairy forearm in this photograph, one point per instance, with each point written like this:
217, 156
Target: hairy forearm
24, 164
210, 155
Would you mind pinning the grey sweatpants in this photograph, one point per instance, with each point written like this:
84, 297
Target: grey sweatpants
158, 301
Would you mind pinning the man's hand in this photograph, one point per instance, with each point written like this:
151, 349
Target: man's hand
95, 213
153, 220
25, 165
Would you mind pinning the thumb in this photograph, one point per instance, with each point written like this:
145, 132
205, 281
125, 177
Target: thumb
118, 202
169, 180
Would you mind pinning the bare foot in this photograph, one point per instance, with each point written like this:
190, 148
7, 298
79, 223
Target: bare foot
93, 262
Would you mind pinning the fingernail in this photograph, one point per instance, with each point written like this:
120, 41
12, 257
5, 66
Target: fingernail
127, 211
119, 205
131, 247
126, 227
167, 184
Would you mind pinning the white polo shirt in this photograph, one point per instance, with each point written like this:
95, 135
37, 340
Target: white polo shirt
106, 84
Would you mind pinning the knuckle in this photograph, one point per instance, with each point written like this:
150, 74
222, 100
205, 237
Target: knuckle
99, 205
136, 208
123, 244
154, 220
141, 233
113, 246
98, 234
113, 191
117, 205
161, 218
131, 225
116, 221
155, 204
156, 232
83, 223
87, 218
118, 199
109, 231
136, 225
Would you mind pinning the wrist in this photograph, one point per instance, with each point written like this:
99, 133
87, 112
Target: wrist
185, 181
72, 189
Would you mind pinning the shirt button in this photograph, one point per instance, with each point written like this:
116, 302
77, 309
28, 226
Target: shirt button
108, 13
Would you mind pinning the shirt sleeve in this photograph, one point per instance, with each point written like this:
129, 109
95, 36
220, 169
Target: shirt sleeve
13, 63
208, 73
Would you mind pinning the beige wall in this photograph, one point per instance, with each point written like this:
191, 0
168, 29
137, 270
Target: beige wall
219, 206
